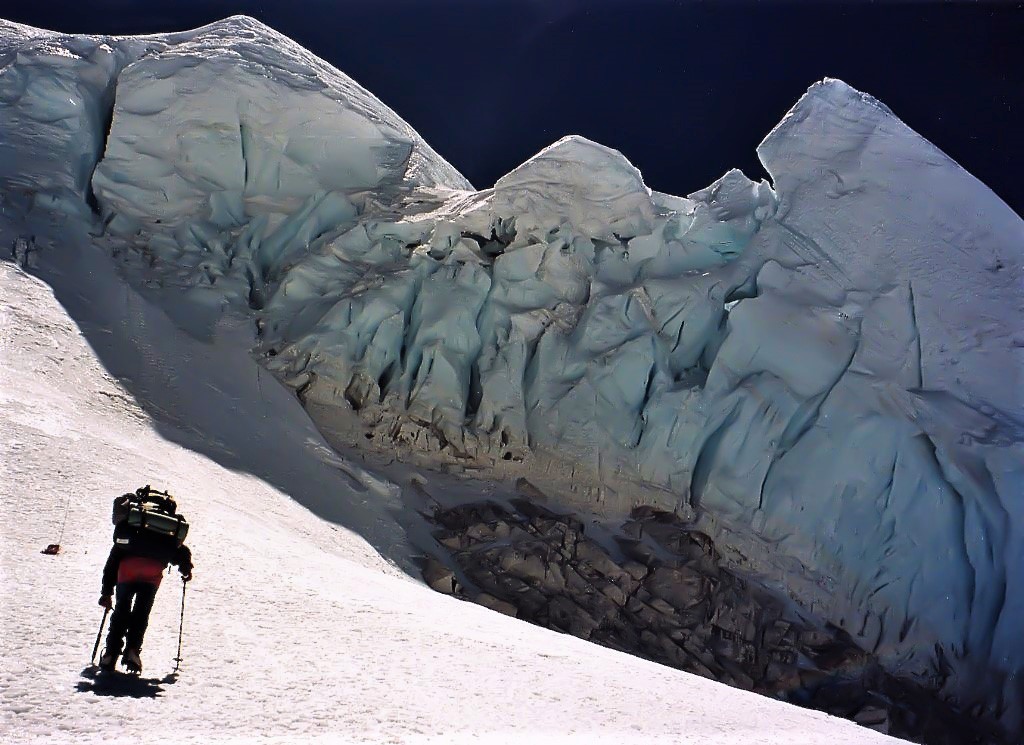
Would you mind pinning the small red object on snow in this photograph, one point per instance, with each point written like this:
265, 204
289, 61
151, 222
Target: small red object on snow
52, 550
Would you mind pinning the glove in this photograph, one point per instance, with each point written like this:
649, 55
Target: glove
107, 602
186, 577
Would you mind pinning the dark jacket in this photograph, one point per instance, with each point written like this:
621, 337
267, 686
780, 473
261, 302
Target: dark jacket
133, 541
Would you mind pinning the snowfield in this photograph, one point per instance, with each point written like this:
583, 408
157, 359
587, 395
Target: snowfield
295, 629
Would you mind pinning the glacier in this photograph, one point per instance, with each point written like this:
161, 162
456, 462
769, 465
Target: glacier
821, 371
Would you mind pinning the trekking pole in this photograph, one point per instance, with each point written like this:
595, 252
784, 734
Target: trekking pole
181, 625
92, 660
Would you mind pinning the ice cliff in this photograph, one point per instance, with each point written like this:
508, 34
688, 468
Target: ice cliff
825, 372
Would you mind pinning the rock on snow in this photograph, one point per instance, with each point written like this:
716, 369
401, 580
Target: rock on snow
824, 373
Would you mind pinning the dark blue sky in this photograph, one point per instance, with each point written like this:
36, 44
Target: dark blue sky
686, 90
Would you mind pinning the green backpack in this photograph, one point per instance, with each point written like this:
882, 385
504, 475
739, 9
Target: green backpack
151, 510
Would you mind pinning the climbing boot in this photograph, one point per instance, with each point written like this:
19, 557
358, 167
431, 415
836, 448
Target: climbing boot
132, 661
109, 658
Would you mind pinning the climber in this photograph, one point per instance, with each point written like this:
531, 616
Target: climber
149, 534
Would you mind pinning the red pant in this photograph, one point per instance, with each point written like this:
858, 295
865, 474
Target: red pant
140, 569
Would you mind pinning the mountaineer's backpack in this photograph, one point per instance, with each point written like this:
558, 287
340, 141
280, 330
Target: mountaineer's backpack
150, 511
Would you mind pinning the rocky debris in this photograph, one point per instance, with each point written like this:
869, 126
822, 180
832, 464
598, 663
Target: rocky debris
439, 577
659, 589
489, 601
23, 250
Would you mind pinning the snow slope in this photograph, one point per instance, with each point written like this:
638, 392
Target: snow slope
295, 629
823, 373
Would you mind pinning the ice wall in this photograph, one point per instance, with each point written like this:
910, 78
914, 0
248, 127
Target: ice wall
917, 448
55, 95
238, 121
221, 123
824, 373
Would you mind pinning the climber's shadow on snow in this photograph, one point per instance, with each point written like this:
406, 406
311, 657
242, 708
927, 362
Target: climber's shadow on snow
120, 684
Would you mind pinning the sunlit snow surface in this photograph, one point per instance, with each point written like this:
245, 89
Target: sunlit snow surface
295, 630
823, 372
